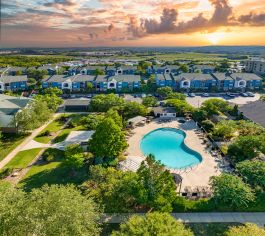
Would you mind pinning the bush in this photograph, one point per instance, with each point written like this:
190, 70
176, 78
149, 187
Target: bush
5, 172
46, 133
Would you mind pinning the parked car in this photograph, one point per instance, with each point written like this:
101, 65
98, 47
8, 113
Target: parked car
205, 94
250, 94
89, 96
231, 95
243, 95
192, 95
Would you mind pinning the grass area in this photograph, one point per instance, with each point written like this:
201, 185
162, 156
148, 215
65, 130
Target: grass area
9, 142
175, 56
75, 120
53, 127
23, 159
53, 172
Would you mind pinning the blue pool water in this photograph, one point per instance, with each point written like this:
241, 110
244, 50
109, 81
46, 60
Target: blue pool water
167, 144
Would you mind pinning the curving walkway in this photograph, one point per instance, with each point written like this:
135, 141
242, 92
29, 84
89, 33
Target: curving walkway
27, 140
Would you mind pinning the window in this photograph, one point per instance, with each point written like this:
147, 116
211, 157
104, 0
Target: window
66, 85
112, 85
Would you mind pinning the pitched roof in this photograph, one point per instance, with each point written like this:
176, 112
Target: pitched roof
193, 76
254, 111
125, 78
164, 110
10, 79
59, 78
222, 76
245, 76
77, 102
83, 78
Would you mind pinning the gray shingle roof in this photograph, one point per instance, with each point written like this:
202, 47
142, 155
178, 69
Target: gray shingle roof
77, 102
10, 79
59, 78
254, 111
222, 76
125, 78
83, 78
164, 110
245, 76
193, 76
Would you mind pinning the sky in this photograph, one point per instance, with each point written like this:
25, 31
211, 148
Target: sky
92, 23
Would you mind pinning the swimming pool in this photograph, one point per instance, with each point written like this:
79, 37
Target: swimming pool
167, 145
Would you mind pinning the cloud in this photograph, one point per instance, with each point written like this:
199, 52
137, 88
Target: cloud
166, 24
65, 5
253, 19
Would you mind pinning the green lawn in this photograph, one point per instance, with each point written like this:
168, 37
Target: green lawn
53, 127
8, 143
53, 172
23, 159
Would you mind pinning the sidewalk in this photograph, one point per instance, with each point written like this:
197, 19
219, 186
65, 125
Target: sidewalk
207, 217
19, 148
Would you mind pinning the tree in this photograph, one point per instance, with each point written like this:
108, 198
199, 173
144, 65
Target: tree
132, 109
108, 141
104, 102
153, 224
262, 98
231, 191
208, 125
113, 114
113, 189
181, 106
224, 130
52, 100
55, 210
98, 72
151, 84
164, 92
179, 96
253, 172
53, 91
158, 189
245, 230
199, 115
184, 68
35, 114
91, 121
215, 106
246, 127
246, 148
89, 87
149, 101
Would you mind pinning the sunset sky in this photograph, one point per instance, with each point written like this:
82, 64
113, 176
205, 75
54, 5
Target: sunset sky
87, 23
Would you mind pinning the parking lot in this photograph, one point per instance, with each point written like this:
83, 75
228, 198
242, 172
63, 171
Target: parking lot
239, 100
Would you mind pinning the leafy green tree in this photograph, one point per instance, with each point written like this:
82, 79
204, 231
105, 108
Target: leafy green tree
108, 141
91, 121
149, 101
184, 68
75, 161
181, 106
224, 130
151, 84
199, 115
89, 87
32, 116
164, 91
246, 127
158, 189
132, 109
253, 172
113, 189
98, 72
73, 149
53, 91
215, 106
246, 148
179, 96
231, 191
52, 101
113, 114
262, 98
55, 210
104, 102
245, 230
208, 125
153, 224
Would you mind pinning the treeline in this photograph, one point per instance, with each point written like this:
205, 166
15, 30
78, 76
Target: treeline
31, 61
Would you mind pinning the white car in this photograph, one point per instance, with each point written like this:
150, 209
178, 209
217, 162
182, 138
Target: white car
192, 95
205, 94
250, 94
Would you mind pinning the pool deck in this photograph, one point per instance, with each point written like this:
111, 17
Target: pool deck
196, 176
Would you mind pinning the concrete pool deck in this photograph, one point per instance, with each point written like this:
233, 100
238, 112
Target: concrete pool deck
197, 176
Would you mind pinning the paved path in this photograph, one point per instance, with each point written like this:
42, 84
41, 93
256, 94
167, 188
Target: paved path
214, 217
19, 148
